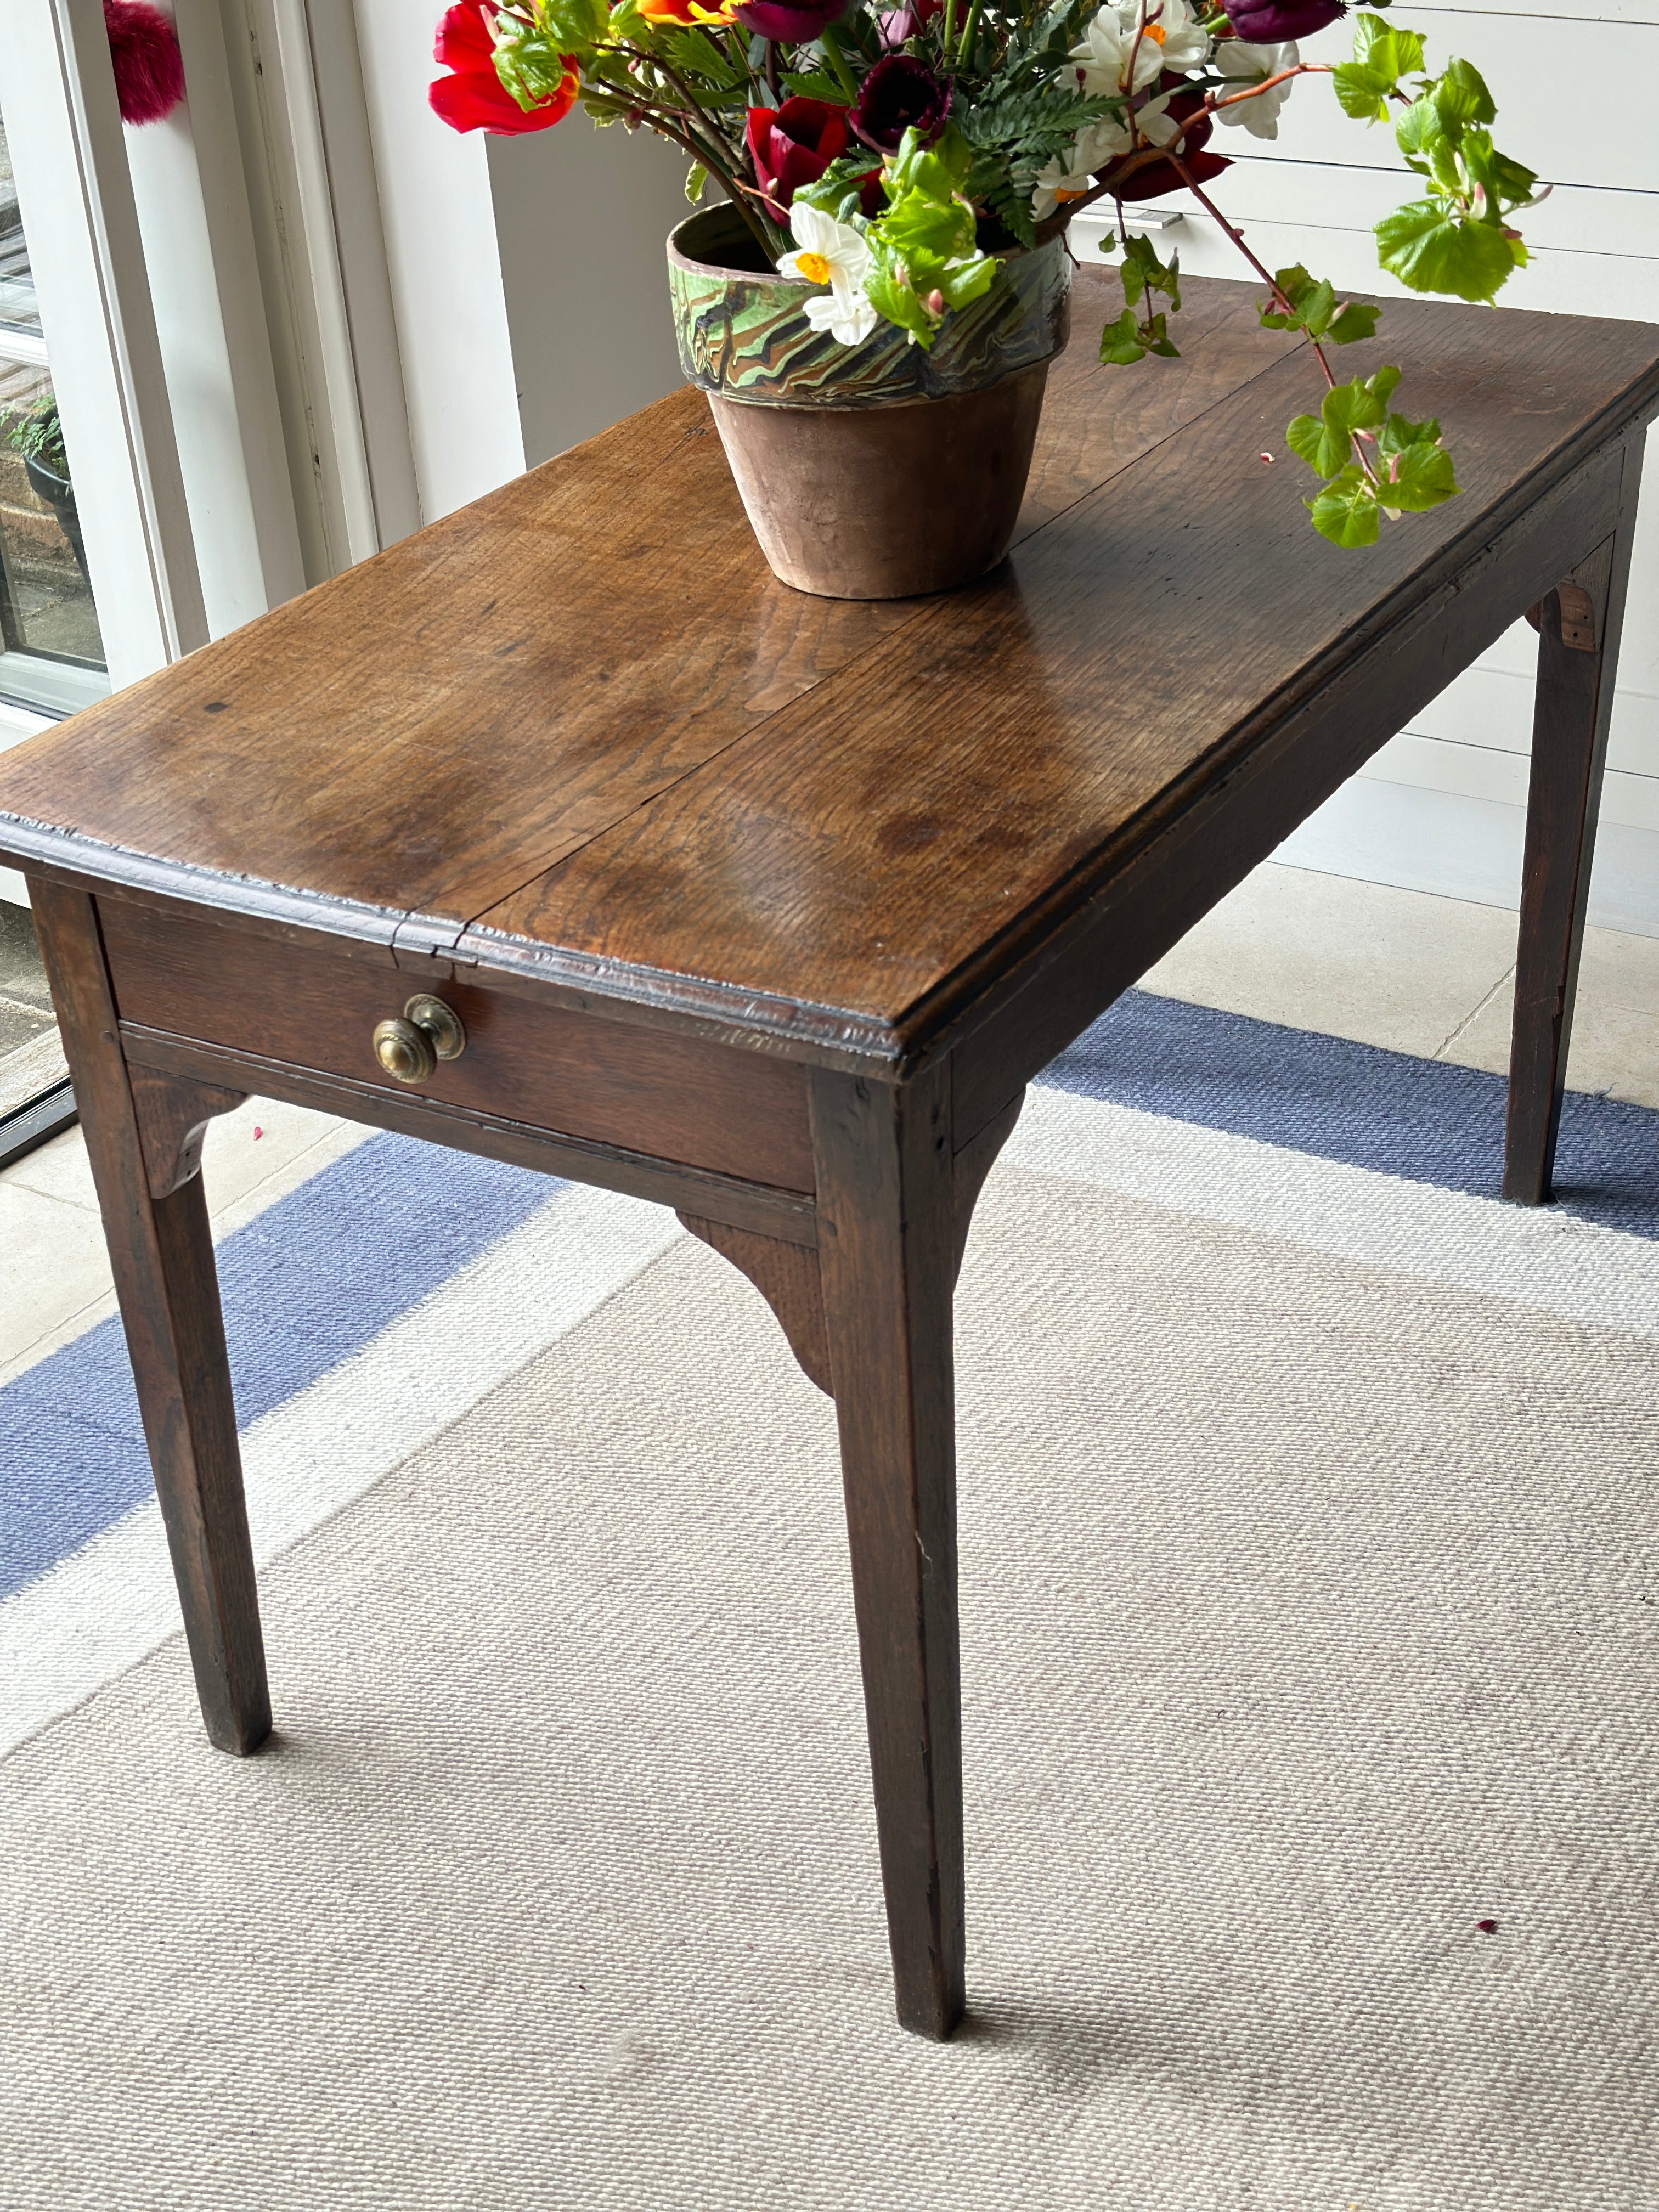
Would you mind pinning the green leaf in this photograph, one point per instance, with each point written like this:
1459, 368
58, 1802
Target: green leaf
925, 241
1345, 511
1418, 133
896, 298
967, 279
839, 191
1158, 338
1364, 93
1416, 469
1460, 96
814, 84
1382, 56
1305, 435
531, 51
696, 178
1505, 182
1397, 434
1358, 319
1379, 46
1324, 441
1314, 308
1144, 272
1416, 477
1312, 303
1433, 249
1120, 341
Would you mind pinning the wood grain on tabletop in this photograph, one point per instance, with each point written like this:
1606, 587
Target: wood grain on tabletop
879, 833
435, 727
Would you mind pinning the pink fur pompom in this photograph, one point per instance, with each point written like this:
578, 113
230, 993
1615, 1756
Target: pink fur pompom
150, 71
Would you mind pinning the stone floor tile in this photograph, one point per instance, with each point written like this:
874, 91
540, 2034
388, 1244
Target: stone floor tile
1367, 961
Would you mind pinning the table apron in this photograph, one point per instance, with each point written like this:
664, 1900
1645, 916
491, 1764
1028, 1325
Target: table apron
1015, 1029
788, 1216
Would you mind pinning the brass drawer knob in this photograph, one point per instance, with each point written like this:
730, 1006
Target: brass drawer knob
410, 1046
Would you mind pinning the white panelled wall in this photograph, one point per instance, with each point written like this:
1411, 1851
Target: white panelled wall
1568, 86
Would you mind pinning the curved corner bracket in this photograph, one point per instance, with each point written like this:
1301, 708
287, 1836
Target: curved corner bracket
975, 1162
787, 1277
172, 1115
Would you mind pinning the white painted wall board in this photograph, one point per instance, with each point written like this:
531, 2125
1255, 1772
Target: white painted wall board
443, 266
587, 300
1574, 219
1542, 83
365, 279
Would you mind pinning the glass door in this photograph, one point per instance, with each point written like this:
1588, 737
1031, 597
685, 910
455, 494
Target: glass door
52, 656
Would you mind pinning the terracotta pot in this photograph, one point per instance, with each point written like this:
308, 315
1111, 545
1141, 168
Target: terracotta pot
874, 472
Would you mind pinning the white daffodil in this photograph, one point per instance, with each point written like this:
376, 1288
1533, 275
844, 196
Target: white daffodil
832, 253
1071, 175
1171, 38
1260, 116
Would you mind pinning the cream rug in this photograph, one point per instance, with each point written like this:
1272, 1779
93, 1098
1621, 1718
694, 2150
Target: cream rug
1309, 1583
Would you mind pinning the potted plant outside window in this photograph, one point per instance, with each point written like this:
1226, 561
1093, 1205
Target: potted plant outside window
873, 307
35, 433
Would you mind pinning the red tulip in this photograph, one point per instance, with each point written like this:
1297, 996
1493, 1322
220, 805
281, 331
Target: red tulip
794, 145
474, 97
1159, 177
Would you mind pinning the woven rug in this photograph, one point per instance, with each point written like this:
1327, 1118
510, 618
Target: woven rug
1311, 1656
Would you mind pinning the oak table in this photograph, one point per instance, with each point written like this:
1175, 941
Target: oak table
636, 866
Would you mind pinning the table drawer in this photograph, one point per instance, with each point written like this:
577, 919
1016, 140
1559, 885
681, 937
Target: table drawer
577, 1074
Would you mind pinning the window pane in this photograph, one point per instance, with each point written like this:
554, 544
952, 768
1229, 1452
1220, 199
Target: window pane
17, 309
50, 652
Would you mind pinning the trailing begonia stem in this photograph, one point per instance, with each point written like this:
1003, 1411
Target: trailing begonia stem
1267, 278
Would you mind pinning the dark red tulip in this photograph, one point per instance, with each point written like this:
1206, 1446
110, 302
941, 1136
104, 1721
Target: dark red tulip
899, 93
794, 145
792, 22
1160, 177
1270, 22
474, 97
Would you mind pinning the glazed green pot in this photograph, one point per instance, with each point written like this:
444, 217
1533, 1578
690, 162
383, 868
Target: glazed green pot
878, 470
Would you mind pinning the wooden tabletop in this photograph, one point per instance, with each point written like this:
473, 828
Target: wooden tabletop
578, 731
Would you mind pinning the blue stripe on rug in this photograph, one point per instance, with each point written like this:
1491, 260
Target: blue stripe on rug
307, 1283
1424, 1120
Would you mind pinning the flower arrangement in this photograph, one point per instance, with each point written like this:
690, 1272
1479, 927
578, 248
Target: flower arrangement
894, 157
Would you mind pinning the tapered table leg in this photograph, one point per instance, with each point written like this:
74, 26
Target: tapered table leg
161, 1251
1577, 658
887, 1260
